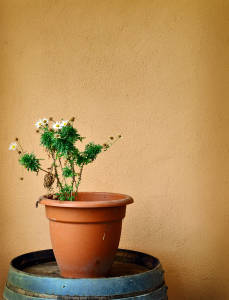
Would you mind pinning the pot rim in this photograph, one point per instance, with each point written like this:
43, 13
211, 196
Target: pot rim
107, 200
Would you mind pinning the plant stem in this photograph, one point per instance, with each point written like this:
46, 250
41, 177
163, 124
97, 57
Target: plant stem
74, 176
79, 178
62, 169
55, 170
44, 170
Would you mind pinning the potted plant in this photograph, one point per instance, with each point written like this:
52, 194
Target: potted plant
85, 227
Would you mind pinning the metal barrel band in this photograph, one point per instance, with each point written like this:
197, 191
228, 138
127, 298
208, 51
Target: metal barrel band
66, 297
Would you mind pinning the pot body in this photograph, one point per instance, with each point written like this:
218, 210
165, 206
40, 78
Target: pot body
85, 233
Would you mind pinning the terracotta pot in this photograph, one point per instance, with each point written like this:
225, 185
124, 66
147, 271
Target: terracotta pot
85, 233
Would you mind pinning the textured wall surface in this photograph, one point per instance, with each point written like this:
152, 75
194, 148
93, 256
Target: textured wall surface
156, 71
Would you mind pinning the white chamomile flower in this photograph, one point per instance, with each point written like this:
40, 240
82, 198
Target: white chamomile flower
13, 146
39, 123
45, 121
64, 123
57, 126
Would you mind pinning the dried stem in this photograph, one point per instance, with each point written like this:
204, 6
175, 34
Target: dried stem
115, 140
19, 144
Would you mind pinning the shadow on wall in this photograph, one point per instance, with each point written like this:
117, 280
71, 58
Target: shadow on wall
214, 166
216, 206
213, 133
202, 272
215, 192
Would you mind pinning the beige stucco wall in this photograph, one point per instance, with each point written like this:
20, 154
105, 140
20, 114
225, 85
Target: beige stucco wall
156, 71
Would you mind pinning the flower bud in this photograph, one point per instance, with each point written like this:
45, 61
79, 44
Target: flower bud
111, 137
72, 119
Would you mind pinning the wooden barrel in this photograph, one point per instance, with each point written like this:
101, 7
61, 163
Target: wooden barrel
134, 275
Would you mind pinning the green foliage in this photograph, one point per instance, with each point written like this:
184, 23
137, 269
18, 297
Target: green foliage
70, 134
59, 140
30, 162
91, 151
89, 154
63, 147
65, 193
67, 172
64, 143
47, 139
80, 159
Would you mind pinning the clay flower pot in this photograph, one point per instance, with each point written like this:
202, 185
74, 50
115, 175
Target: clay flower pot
85, 233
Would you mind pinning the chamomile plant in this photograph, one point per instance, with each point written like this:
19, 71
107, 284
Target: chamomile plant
66, 162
